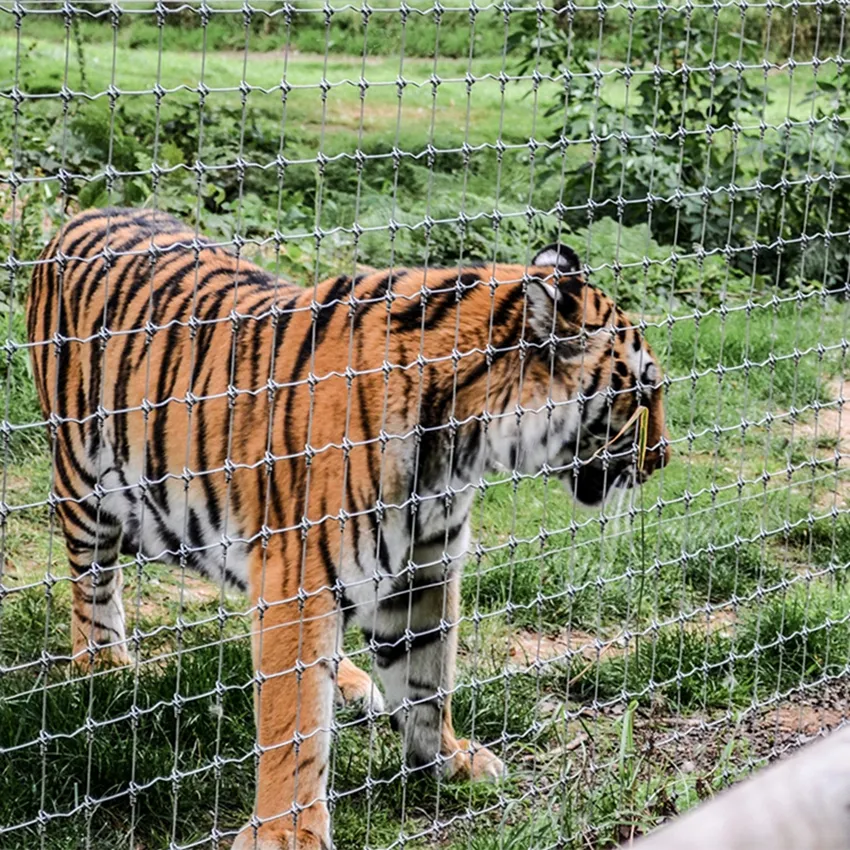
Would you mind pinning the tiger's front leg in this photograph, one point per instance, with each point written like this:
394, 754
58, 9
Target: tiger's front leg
294, 642
420, 668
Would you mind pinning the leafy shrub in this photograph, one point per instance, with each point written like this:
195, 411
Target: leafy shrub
689, 158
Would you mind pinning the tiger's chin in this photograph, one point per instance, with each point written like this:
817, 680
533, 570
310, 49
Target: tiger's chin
595, 487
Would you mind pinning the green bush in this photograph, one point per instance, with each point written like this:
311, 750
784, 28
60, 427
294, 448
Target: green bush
689, 156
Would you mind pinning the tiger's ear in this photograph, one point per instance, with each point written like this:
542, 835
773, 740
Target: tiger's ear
553, 292
560, 257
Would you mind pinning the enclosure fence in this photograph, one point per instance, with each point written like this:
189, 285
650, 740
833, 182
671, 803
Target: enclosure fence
616, 665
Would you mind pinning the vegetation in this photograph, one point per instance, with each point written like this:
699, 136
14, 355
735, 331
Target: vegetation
719, 587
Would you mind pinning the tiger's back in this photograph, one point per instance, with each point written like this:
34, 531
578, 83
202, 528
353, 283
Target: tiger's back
163, 361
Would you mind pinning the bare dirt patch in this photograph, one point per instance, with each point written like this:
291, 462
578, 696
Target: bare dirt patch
806, 720
826, 436
293, 55
527, 647
713, 742
162, 594
719, 621
801, 717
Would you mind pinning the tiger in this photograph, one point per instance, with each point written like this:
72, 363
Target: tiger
319, 448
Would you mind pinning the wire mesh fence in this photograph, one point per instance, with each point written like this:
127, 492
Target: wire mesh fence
440, 393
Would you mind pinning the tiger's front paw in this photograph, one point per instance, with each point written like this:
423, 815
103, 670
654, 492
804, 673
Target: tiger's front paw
277, 838
355, 688
474, 763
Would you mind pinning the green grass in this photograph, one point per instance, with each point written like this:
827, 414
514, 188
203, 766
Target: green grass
136, 71
293, 195
307, 31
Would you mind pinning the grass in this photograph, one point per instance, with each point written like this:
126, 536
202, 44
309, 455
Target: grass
308, 30
445, 129
429, 28
720, 586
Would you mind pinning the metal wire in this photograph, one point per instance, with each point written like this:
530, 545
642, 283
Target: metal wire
625, 663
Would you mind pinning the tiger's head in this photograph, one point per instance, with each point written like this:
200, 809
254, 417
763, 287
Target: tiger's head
590, 399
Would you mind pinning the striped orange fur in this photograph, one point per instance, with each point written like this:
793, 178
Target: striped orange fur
319, 448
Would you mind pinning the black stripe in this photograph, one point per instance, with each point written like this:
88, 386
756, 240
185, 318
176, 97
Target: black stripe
88, 281
84, 218
131, 266
376, 296
256, 345
593, 386
94, 426
194, 529
150, 278
51, 300
172, 541
354, 522
422, 685
325, 551
89, 236
381, 554
98, 624
468, 448
231, 578
81, 524
158, 304
81, 472
107, 595
407, 379
411, 317
407, 592
283, 319
303, 764
156, 448
312, 340
76, 546
207, 309
82, 254
126, 367
446, 534
439, 305
212, 504
366, 423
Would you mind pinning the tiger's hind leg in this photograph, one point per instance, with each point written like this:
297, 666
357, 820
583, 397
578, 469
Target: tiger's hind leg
93, 540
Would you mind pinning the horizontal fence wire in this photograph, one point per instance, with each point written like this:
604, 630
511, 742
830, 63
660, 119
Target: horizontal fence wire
435, 435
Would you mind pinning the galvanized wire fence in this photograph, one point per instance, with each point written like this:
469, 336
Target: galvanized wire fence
319, 451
